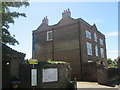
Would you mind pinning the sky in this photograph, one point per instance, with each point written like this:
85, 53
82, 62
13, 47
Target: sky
103, 14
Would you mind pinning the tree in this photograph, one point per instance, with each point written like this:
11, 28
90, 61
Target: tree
112, 63
8, 17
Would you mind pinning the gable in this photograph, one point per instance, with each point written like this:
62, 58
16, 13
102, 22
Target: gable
94, 27
42, 27
66, 21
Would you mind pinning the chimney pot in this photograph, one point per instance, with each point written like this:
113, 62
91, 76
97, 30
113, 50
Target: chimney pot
66, 13
45, 20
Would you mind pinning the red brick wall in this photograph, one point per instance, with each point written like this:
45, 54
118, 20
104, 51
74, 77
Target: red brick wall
69, 44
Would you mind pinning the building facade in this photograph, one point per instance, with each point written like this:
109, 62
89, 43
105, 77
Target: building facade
74, 41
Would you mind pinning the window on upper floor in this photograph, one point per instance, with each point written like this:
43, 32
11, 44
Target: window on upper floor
102, 52
49, 35
101, 41
89, 48
88, 34
96, 50
95, 37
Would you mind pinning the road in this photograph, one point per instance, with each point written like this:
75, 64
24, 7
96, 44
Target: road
93, 86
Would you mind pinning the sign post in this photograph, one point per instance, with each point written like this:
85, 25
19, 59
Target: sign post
33, 72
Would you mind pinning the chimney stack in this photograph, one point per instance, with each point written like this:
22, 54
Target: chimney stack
66, 13
45, 20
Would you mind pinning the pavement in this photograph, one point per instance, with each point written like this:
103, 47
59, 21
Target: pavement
94, 86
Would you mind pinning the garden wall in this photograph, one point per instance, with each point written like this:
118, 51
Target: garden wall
45, 73
113, 75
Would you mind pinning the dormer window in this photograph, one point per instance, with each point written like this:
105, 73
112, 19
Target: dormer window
49, 35
88, 34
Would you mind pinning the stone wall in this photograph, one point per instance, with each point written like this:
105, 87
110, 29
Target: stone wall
113, 75
108, 76
64, 75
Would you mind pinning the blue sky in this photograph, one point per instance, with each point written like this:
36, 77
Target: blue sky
103, 14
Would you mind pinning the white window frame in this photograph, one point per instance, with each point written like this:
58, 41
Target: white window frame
101, 41
48, 39
95, 37
89, 48
96, 50
88, 34
102, 52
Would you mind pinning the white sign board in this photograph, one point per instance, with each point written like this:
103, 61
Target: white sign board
50, 75
33, 77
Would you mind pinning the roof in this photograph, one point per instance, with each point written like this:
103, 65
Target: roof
64, 22
8, 52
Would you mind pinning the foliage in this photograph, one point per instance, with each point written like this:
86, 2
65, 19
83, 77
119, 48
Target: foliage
24, 61
8, 17
56, 62
112, 63
52, 62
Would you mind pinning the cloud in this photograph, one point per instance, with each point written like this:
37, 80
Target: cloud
115, 51
112, 34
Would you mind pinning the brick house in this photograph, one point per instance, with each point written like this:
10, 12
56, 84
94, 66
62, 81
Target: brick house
71, 40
